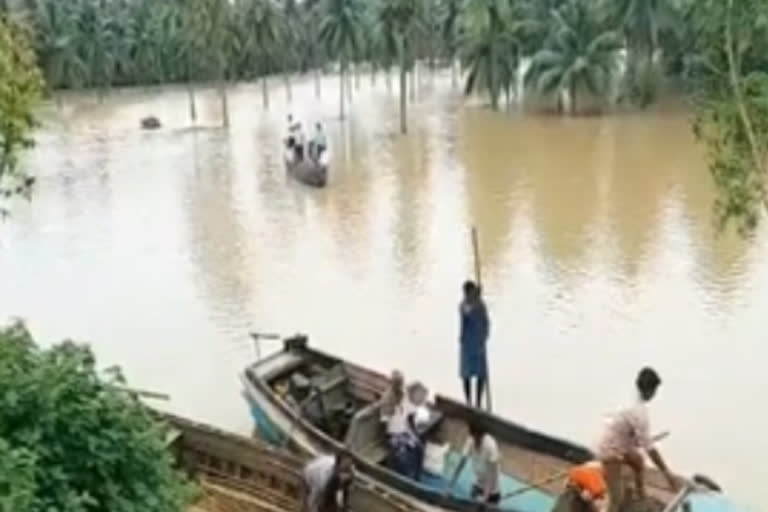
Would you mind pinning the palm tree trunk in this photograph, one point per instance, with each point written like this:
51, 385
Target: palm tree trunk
403, 94
318, 92
192, 106
349, 77
224, 103
341, 87
413, 82
264, 92
357, 75
288, 90
454, 75
572, 98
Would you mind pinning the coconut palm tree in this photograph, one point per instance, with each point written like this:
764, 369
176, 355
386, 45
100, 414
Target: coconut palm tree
340, 30
581, 56
262, 19
448, 13
57, 46
213, 22
642, 23
490, 47
98, 43
399, 23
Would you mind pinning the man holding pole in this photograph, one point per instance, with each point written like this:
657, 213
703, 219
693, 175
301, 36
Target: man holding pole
625, 437
475, 327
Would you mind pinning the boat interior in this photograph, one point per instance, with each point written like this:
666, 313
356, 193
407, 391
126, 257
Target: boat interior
341, 400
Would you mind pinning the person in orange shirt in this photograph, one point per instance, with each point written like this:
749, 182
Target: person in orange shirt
585, 490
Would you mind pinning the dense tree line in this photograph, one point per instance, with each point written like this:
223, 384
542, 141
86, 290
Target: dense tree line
598, 49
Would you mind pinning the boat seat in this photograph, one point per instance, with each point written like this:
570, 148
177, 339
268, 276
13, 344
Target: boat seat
366, 435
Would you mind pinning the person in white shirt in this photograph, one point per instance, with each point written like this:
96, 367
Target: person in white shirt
482, 448
324, 477
406, 448
625, 436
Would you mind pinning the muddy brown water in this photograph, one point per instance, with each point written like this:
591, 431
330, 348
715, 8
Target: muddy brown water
598, 256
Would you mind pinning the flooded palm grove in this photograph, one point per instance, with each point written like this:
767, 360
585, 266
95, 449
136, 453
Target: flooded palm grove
164, 249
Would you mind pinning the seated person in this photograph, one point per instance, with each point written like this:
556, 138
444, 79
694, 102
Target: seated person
585, 490
324, 478
406, 449
482, 448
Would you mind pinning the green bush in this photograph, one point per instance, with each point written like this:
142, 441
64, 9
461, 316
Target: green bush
72, 442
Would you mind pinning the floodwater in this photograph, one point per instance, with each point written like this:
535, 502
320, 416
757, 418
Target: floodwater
597, 250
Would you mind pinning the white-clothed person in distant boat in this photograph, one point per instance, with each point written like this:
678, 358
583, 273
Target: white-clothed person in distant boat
290, 137
483, 450
300, 142
325, 477
319, 143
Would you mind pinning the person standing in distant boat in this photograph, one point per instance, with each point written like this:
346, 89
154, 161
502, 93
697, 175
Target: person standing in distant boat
626, 435
300, 142
473, 337
319, 142
324, 477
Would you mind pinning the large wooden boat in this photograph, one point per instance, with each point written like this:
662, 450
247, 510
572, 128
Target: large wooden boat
239, 474
341, 409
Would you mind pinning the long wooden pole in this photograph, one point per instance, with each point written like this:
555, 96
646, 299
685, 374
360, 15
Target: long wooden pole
562, 474
479, 281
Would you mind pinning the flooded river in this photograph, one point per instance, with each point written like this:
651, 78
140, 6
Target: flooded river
598, 256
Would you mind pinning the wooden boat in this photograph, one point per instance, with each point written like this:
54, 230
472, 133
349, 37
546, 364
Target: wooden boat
239, 474
342, 409
307, 171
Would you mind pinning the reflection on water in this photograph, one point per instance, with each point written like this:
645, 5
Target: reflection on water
597, 247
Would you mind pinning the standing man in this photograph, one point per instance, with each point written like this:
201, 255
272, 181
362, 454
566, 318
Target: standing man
626, 435
324, 477
475, 327
319, 142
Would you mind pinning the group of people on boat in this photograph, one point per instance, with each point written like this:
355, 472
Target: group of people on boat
297, 147
596, 486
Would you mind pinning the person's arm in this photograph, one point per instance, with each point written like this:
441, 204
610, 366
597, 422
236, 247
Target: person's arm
485, 322
456, 474
386, 409
310, 498
658, 461
494, 477
642, 428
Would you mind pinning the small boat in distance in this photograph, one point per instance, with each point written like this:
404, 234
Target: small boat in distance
308, 170
316, 402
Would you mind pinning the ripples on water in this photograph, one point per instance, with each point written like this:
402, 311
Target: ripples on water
597, 246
